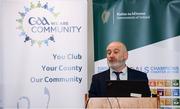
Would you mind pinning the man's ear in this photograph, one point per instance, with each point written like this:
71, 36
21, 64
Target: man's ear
125, 55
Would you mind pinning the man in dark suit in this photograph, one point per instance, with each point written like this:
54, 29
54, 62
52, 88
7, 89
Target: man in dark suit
117, 55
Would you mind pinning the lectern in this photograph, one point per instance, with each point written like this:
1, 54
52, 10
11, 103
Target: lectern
125, 102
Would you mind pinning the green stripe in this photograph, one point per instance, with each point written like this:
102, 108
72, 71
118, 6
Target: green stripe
164, 23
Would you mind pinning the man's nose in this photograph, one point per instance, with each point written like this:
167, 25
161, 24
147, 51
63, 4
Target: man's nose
111, 55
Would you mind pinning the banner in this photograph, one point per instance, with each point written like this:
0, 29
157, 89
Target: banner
43, 54
151, 31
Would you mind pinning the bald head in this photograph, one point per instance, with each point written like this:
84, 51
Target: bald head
119, 45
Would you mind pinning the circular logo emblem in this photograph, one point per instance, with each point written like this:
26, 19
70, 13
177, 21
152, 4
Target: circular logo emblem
35, 24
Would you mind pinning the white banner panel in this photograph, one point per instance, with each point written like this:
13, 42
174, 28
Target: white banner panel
43, 53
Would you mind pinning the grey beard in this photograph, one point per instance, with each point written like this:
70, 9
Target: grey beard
115, 65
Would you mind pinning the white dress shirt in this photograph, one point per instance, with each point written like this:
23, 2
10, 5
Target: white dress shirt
122, 76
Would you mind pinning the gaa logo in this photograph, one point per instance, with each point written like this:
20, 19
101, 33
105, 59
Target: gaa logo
36, 22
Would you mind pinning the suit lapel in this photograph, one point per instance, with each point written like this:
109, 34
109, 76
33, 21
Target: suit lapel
130, 74
107, 75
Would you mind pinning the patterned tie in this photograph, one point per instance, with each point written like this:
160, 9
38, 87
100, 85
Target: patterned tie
117, 75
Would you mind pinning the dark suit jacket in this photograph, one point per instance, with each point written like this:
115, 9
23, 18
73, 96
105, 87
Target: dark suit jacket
98, 85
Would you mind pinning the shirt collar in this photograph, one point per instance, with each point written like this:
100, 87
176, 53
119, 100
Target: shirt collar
124, 70
123, 76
